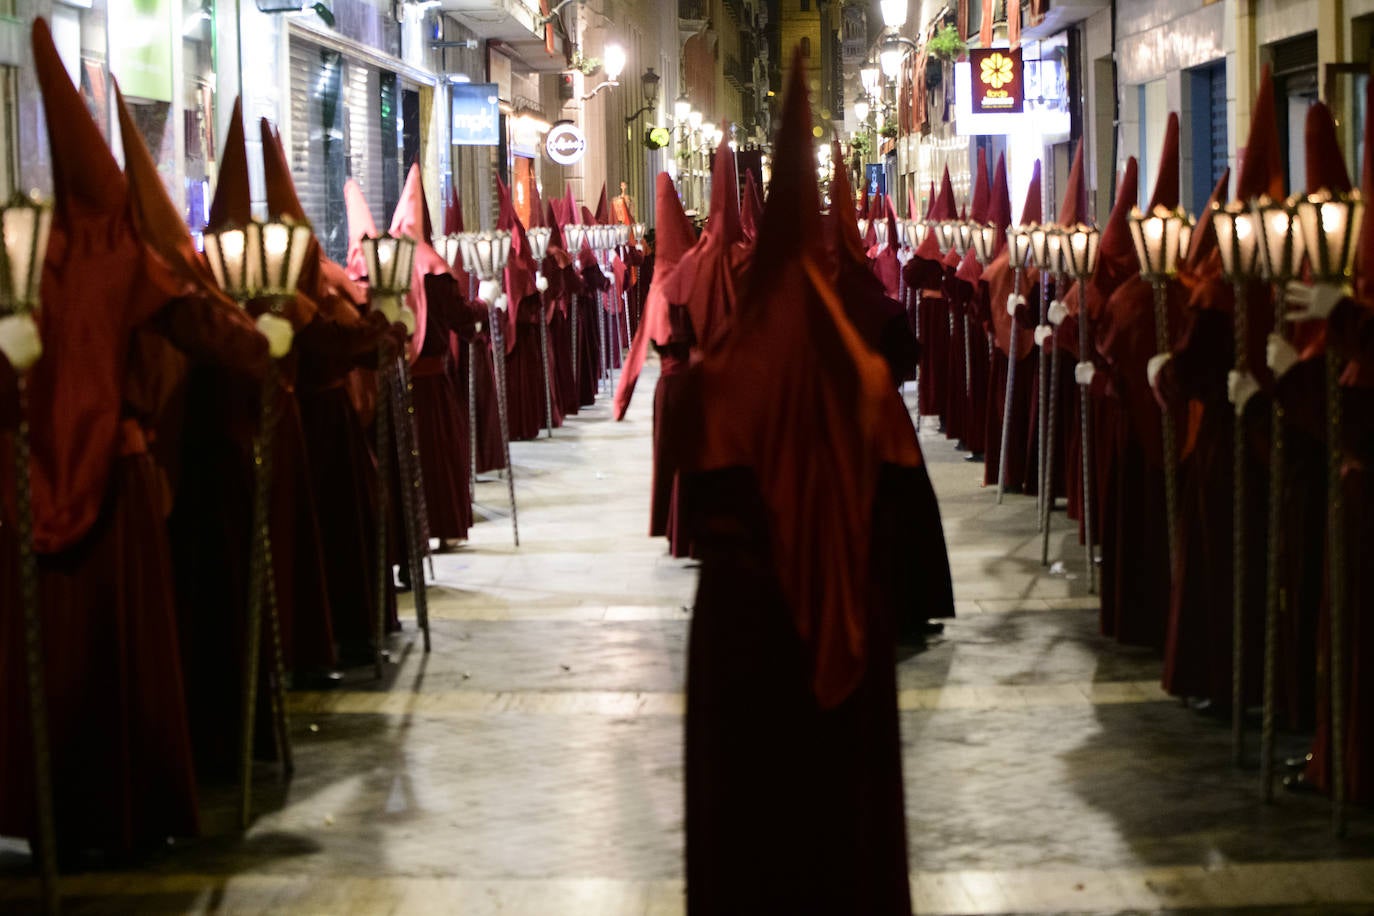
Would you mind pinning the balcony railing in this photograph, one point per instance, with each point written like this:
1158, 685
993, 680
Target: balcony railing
740, 74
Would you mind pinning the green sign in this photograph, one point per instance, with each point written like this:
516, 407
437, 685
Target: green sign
141, 48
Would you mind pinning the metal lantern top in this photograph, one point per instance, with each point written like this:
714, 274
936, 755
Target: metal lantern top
26, 223
576, 234
639, 232
984, 241
1330, 228
963, 237
916, 232
902, 239
1045, 243
1018, 246
1161, 237
487, 253
389, 261
451, 247
863, 228
1280, 239
622, 234
285, 245
539, 242
1081, 245
231, 253
1238, 240
945, 232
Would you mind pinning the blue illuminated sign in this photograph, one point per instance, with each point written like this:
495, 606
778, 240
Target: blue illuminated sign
476, 114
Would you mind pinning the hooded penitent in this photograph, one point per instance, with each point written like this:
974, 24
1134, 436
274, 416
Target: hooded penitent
969, 269
409, 219
1001, 280
360, 226
675, 237
794, 394
707, 281
751, 210
520, 267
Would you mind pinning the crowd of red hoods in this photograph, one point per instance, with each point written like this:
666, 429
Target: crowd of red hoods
786, 461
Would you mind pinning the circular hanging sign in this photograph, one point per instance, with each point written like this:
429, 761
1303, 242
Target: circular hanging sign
565, 143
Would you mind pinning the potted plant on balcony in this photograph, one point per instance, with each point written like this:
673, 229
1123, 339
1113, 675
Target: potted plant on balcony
945, 47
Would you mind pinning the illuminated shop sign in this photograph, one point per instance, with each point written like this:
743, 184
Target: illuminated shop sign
998, 81
565, 143
476, 114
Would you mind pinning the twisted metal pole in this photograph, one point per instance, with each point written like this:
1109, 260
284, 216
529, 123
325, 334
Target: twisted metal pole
1274, 547
259, 573
1048, 476
1335, 533
382, 431
498, 346
1242, 365
1161, 304
916, 310
277, 681
576, 345
1011, 387
1085, 431
45, 849
544, 364
412, 492
1042, 408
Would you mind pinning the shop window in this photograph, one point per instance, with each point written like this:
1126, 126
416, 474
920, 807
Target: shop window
1207, 90
806, 46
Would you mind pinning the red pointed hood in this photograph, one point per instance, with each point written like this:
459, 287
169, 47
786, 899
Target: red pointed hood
536, 208
360, 226
930, 202
725, 217
675, 238
1166, 182
1325, 162
982, 193
574, 212
603, 210
1116, 258
154, 214
969, 268
796, 396
453, 213
84, 172
520, 269
1031, 209
1074, 207
1261, 162
409, 220
233, 203
1202, 245
945, 207
752, 210
999, 207
846, 244
281, 187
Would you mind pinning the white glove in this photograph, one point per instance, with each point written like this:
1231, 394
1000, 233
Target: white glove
1280, 356
1043, 333
1014, 300
500, 302
488, 290
1155, 364
1240, 388
19, 341
477, 327
278, 332
407, 318
541, 283
1315, 301
1058, 312
1083, 373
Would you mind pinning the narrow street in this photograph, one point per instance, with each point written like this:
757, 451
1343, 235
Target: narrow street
532, 763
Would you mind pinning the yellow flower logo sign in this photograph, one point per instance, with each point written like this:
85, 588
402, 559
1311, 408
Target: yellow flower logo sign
996, 71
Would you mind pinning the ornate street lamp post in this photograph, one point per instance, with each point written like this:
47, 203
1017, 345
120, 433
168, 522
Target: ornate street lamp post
261, 261
1047, 249
1161, 237
1330, 227
1238, 244
1080, 250
26, 223
1018, 255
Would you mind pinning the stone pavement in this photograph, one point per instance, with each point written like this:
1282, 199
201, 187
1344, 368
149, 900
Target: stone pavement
532, 763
